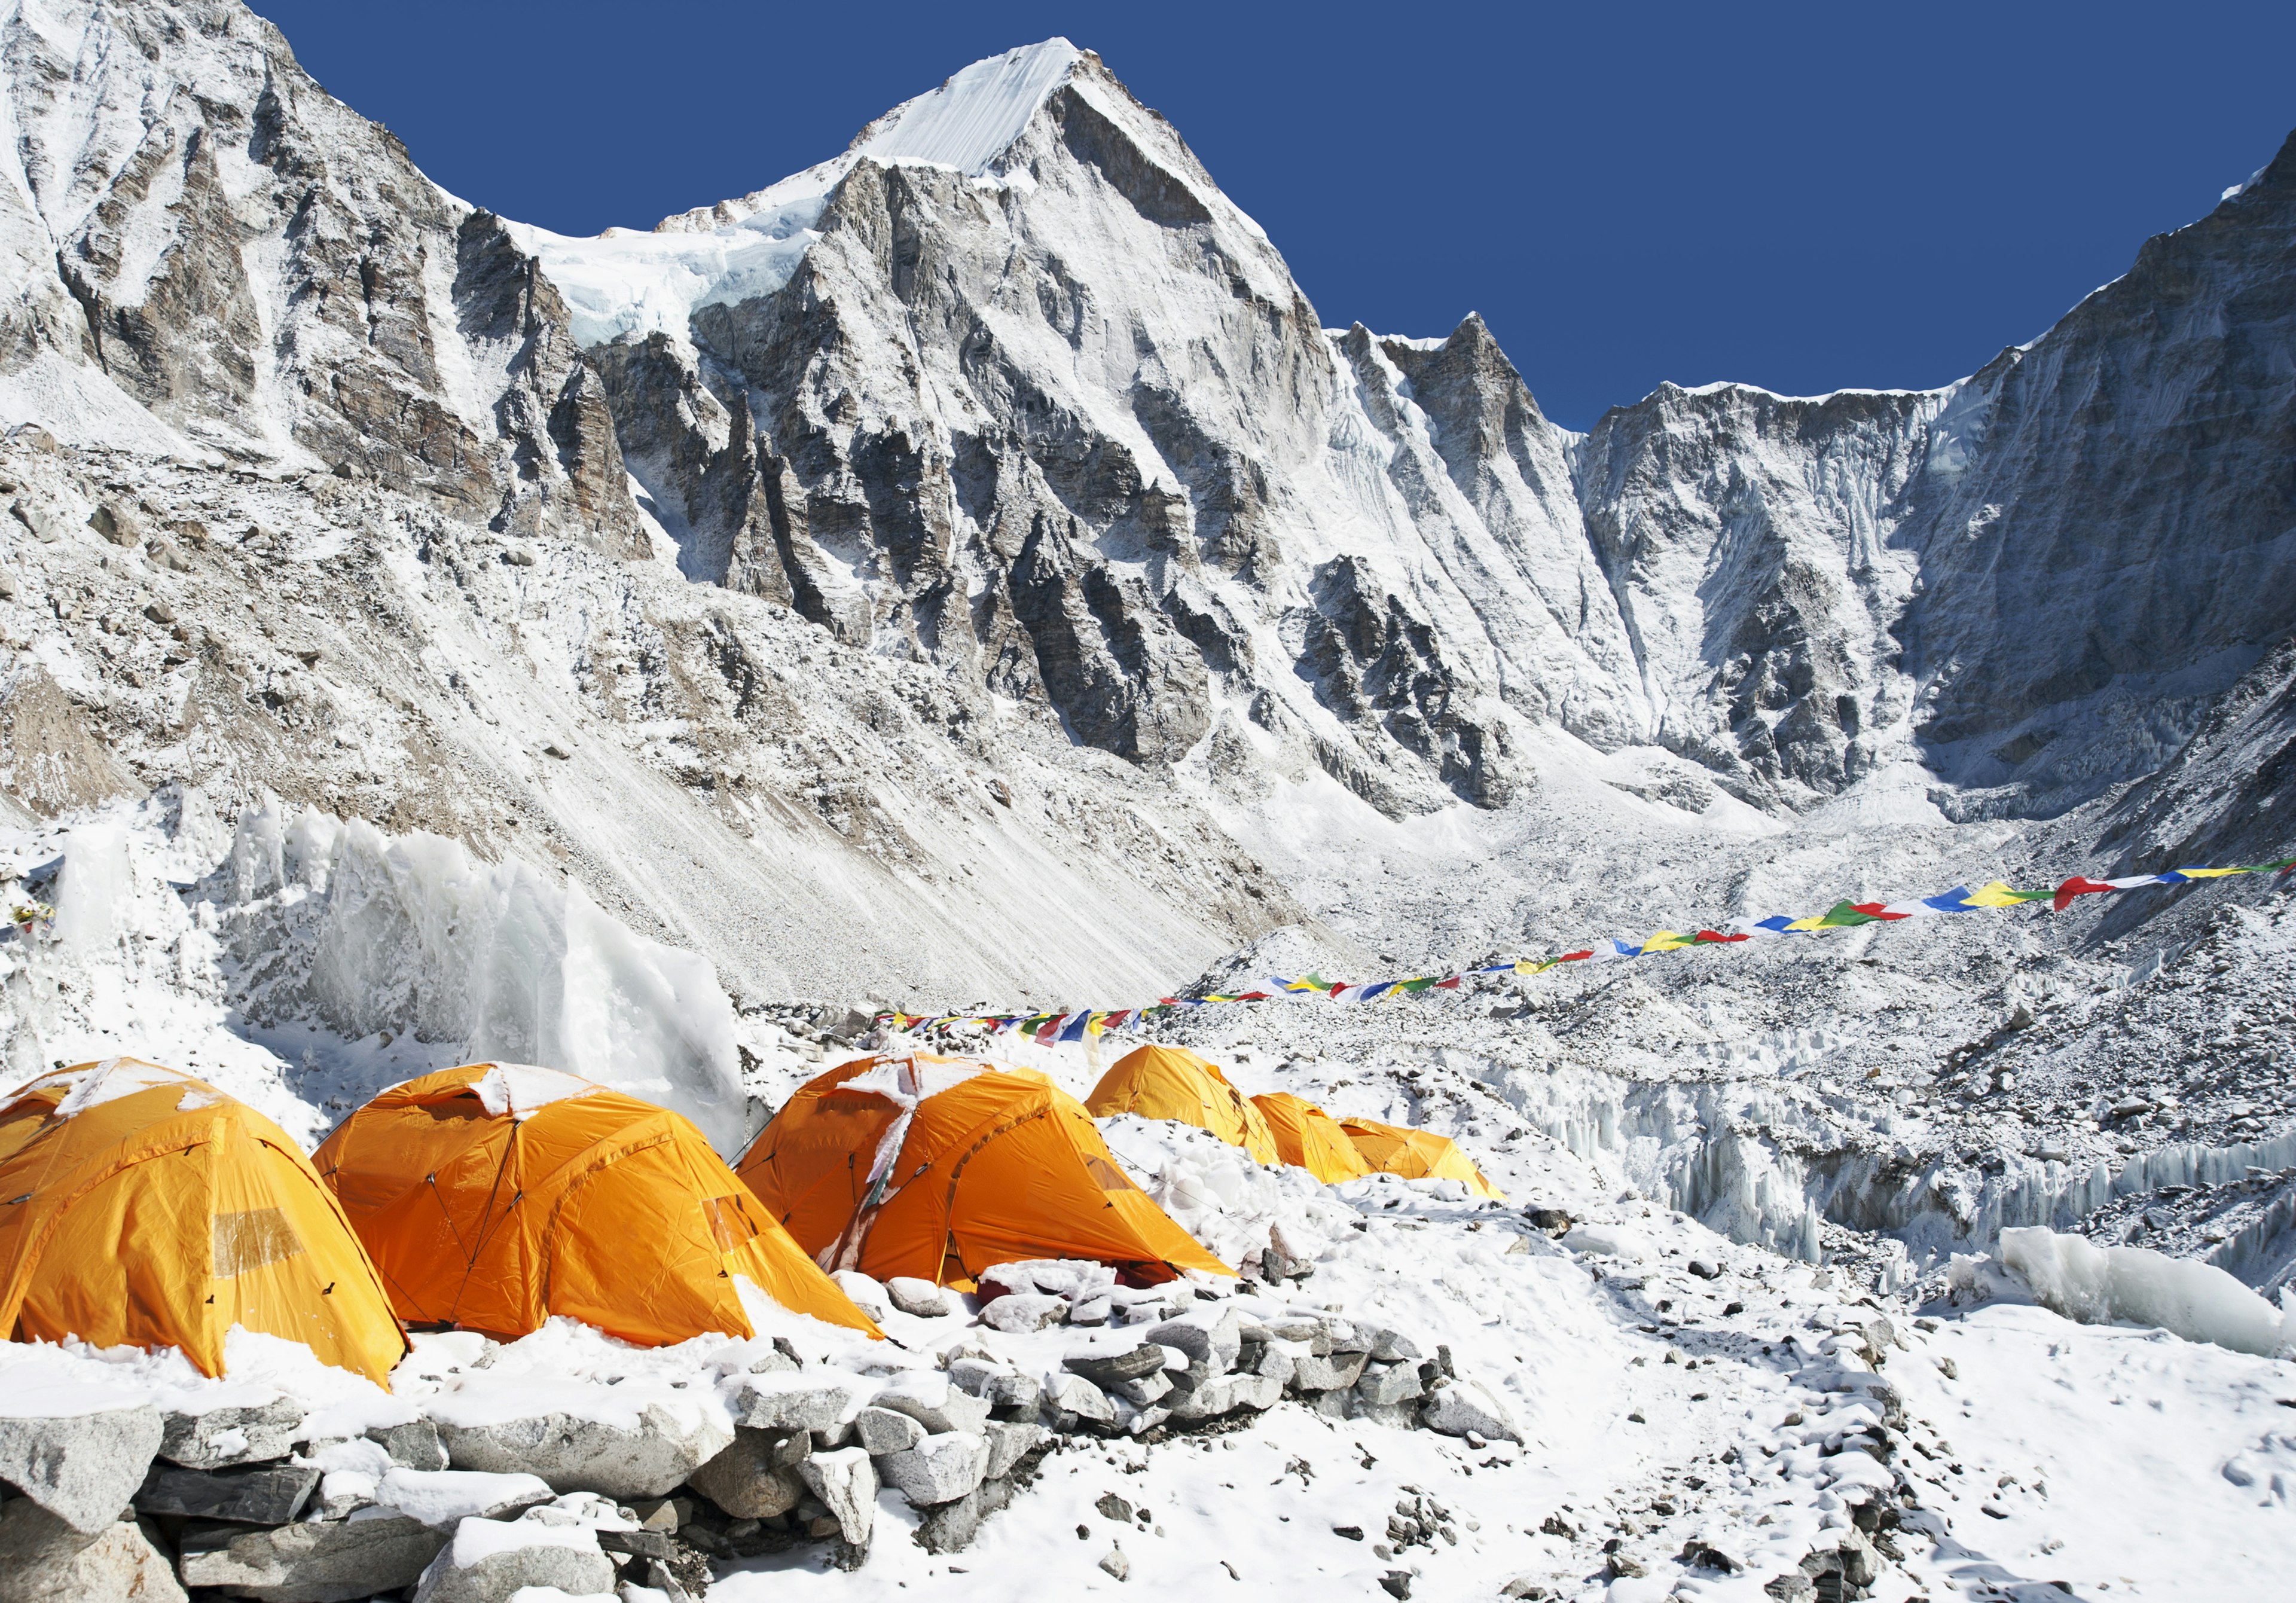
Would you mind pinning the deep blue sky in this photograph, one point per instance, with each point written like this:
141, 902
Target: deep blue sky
1804, 197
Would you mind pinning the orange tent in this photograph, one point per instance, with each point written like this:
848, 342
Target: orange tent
939, 1168
1172, 1083
1416, 1155
495, 1195
1308, 1138
147, 1207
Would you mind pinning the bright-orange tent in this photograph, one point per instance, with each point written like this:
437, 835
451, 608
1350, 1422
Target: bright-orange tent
1172, 1083
1416, 1155
939, 1168
1308, 1138
497, 1194
143, 1207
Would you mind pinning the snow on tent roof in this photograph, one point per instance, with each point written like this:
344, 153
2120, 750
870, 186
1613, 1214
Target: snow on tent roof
969, 120
522, 1090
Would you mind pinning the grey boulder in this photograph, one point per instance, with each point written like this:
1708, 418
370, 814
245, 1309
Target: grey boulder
317, 1561
938, 1470
1071, 1402
414, 1445
1020, 1312
268, 1494
82, 1469
1000, 1385
1009, 1441
1211, 1338
490, 1561
951, 1527
1107, 1369
755, 1476
884, 1431
846, 1482
1464, 1406
922, 1298
1388, 1383
1329, 1373
934, 1401
585, 1455
229, 1434
122, 1564
784, 1401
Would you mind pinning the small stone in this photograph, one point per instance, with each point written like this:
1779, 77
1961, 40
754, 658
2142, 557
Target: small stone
1116, 1564
1112, 1507
917, 1296
159, 612
518, 556
1623, 1567
1396, 1583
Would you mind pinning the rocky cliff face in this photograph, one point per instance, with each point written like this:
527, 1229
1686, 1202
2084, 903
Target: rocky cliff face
1010, 430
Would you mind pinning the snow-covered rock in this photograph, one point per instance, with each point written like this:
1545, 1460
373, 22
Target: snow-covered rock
491, 1560
939, 1468
323, 1561
646, 1458
80, 1468
845, 1479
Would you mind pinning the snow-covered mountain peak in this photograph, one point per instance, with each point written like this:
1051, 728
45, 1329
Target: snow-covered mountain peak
974, 117
627, 282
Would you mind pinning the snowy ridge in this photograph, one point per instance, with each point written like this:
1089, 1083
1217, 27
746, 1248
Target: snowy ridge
974, 117
626, 284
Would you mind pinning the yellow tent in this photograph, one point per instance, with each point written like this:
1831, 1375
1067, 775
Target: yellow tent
1308, 1138
1172, 1083
992, 1166
139, 1205
1416, 1155
497, 1194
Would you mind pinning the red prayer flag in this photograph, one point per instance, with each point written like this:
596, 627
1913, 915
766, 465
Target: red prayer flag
2079, 885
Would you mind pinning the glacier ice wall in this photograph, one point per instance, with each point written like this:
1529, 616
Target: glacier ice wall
414, 934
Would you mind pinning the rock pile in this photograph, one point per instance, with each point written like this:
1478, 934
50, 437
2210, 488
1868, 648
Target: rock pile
248, 1495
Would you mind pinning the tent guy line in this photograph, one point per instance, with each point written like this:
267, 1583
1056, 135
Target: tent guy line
1049, 1028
